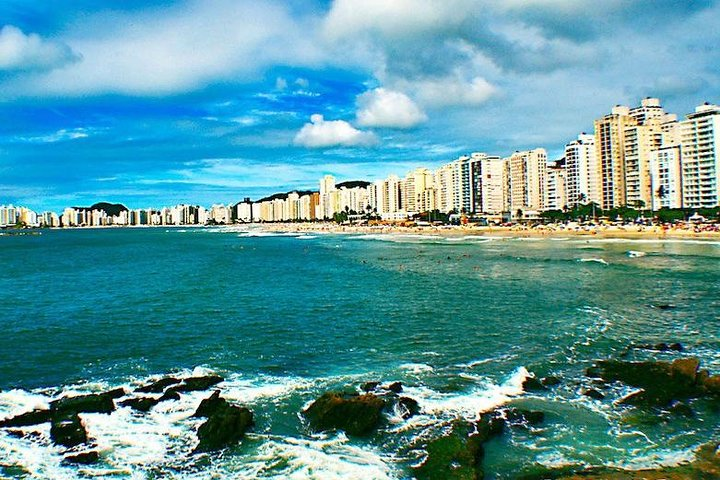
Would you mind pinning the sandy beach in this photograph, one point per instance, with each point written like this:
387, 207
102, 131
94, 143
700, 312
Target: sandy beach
600, 231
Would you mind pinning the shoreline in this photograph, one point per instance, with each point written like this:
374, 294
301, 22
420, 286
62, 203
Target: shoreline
630, 232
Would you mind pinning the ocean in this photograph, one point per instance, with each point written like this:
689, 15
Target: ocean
461, 322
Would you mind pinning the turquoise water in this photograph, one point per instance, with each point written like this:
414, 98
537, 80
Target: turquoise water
286, 317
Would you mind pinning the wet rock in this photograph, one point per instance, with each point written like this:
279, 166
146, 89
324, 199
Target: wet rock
369, 386
158, 386
661, 382
91, 403
169, 395
350, 412
223, 428
408, 407
194, 384
84, 458
116, 393
677, 347
395, 387
521, 416
457, 455
665, 306
67, 429
550, 381
531, 384
660, 347
594, 394
141, 404
33, 417
210, 405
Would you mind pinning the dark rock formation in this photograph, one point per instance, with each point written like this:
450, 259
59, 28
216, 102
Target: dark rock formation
169, 395
210, 405
550, 381
158, 386
116, 393
194, 384
521, 416
141, 404
458, 455
369, 386
353, 413
594, 394
660, 382
67, 429
91, 403
395, 387
225, 426
33, 417
531, 384
84, 458
408, 407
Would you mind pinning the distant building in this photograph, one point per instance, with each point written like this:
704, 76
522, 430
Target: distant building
582, 178
527, 180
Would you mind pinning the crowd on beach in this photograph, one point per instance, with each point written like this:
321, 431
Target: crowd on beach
605, 230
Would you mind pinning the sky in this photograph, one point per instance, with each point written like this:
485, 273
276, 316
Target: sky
156, 102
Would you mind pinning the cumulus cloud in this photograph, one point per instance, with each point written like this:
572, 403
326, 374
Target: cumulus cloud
387, 108
452, 90
321, 133
29, 52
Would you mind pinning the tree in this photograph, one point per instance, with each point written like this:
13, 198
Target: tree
519, 214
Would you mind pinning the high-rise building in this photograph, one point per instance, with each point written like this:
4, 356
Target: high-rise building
555, 186
527, 180
328, 197
666, 178
610, 152
582, 175
490, 184
453, 186
700, 143
415, 186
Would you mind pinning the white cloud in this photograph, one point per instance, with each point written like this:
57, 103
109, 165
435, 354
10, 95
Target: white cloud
280, 83
180, 48
320, 133
59, 136
387, 108
21, 52
452, 90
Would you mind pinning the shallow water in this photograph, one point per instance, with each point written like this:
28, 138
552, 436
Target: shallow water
285, 317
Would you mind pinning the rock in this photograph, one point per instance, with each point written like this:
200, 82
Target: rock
490, 425
665, 306
84, 458
455, 456
550, 381
531, 384
67, 429
594, 394
158, 386
521, 416
194, 384
91, 403
33, 417
352, 413
169, 395
395, 387
141, 404
210, 405
116, 393
661, 382
676, 347
224, 427
593, 372
369, 386
408, 407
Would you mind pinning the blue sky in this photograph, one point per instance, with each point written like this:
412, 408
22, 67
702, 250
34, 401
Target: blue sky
153, 103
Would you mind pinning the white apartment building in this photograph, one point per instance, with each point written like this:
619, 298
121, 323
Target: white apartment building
666, 178
527, 180
582, 176
555, 190
700, 142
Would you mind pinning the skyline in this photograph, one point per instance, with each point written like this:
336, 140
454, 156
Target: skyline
208, 102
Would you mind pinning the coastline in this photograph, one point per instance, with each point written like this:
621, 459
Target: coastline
628, 232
